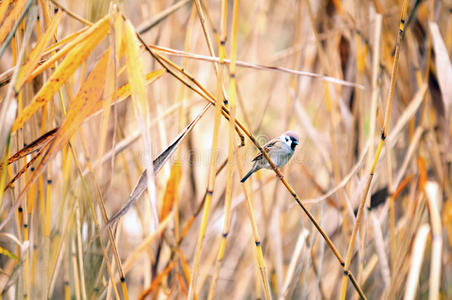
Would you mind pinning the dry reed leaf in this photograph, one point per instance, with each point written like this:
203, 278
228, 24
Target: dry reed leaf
87, 40
140, 187
157, 280
380, 249
25, 168
36, 53
85, 102
407, 114
171, 189
433, 192
11, 18
416, 262
423, 178
71, 63
3, 8
64, 41
34, 146
7, 114
443, 67
124, 91
135, 71
402, 186
290, 278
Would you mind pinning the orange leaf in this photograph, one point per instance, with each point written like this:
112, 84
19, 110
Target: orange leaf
402, 186
157, 280
422, 172
86, 99
171, 189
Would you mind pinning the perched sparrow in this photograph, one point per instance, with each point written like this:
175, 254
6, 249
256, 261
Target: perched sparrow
279, 149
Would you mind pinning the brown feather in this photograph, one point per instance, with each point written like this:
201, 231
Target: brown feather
266, 148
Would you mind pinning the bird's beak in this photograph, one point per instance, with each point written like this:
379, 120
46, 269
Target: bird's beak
295, 142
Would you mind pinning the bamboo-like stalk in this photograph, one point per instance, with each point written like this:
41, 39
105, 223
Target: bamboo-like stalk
231, 146
377, 155
213, 156
257, 240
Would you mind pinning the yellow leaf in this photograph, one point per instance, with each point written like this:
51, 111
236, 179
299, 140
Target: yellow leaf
3, 7
72, 61
135, 70
94, 34
34, 56
11, 18
65, 40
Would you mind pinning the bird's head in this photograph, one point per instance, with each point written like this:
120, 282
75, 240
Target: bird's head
291, 139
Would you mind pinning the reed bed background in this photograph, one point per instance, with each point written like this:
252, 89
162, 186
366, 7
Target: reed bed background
125, 128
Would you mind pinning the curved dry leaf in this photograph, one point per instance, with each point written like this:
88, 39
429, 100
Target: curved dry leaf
36, 145
157, 165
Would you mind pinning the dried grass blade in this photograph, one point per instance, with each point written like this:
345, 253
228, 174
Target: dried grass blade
36, 145
65, 40
36, 53
443, 67
88, 40
3, 8
433, 192
171, 189
416, 262
157, 164
7, 25
141, 107
157, 280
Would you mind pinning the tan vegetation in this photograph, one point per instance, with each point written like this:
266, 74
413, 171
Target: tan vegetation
125, 128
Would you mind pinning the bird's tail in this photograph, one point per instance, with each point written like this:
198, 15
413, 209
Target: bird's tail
248, 175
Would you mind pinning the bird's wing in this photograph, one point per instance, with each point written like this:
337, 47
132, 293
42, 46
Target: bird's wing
267, 148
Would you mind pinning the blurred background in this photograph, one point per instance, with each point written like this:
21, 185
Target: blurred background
74, 148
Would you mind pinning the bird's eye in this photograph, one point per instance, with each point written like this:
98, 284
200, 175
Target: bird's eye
287, 139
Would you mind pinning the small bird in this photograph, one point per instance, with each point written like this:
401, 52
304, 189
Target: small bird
279, 149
